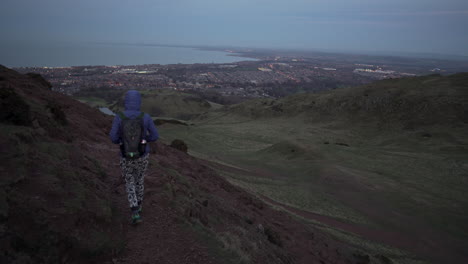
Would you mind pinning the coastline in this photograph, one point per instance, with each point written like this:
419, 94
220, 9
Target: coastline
56, 55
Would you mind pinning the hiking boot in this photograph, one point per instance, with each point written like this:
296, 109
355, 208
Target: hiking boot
136, 218
140, 208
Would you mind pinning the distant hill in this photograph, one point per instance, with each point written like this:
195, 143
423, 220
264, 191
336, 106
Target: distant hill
165, 103
405, 102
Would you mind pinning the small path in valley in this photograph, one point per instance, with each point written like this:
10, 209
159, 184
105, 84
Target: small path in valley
385, 237
394, 239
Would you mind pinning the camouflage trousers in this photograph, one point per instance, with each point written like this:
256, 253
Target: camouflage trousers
133, 171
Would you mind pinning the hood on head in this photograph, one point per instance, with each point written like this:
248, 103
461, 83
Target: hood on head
132, 100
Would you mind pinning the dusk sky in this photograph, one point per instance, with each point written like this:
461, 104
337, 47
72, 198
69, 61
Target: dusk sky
423, 26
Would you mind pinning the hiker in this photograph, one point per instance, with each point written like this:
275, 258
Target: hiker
132, 130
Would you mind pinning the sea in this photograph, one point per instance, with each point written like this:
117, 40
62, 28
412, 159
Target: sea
26, 54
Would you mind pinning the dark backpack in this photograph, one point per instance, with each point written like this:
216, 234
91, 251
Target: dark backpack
133, 131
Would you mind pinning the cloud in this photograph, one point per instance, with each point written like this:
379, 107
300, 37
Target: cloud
340, 21
419, 13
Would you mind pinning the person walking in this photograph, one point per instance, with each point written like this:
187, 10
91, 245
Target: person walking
132, 130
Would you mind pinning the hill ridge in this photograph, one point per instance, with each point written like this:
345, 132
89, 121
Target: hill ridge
407, 102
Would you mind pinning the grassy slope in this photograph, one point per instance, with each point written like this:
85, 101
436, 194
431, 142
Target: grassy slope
404, 168
93, 101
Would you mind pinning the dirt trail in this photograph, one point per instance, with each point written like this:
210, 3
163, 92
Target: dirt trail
161, 237
385, 237
165, 237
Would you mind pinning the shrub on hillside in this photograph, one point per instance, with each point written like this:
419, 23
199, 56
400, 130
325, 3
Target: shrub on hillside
180, 145
13, 109
57, 112
37, 77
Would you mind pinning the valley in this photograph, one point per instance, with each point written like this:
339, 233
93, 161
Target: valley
392, 183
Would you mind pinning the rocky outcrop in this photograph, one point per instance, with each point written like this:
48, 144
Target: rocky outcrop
55, 198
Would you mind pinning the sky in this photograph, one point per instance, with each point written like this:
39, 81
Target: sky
421, 26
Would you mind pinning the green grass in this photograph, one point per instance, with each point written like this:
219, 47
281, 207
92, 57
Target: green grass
93, 101
223, 246
403, 172
396, 255
391, 155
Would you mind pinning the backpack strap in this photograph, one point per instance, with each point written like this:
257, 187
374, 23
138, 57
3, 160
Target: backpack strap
121, 115
143, 134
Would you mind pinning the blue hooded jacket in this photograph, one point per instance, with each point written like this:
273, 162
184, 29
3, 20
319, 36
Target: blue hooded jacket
132, 110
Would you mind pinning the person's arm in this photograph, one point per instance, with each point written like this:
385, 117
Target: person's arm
152, 131
115, 131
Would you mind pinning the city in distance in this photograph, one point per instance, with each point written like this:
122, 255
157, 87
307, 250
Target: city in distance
242, 74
